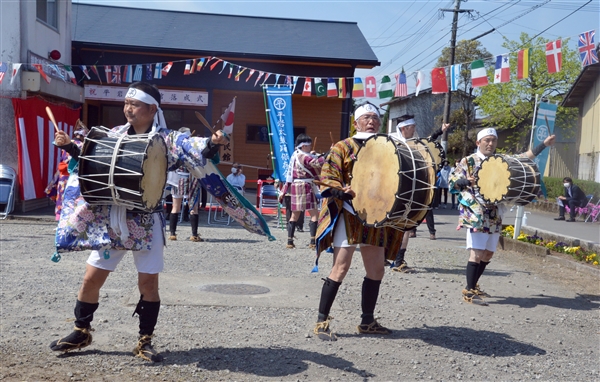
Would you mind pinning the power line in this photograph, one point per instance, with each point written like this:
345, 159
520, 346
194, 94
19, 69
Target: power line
531, 39
403, 26
426, 28
395, 21
462, 33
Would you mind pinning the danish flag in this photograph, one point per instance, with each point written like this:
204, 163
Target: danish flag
554, 56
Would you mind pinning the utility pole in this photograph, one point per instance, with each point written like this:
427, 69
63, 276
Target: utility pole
448, 100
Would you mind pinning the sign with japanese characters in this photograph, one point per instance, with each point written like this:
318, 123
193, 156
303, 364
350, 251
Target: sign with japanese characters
168, 97
281, 127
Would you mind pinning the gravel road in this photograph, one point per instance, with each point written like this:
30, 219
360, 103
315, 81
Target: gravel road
218, 324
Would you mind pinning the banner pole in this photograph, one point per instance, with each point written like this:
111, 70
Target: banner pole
279, 215
521, 208
533, 121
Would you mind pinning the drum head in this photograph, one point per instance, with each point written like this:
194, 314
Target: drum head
437, 153
154, 172
493, 179
375, 179
424, 177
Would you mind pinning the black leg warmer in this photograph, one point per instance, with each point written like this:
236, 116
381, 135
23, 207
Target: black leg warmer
328, 293
148, 313
194, 224
84, 314
291, 227
370, 293
313, 232
472, 269
173, 222
480, 269
400, 257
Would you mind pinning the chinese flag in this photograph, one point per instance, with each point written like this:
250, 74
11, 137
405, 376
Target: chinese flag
438, 81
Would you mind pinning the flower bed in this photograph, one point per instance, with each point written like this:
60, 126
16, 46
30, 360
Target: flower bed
592, 210
577, 253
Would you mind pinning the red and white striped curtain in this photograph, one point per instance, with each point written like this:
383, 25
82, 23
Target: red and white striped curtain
38, 157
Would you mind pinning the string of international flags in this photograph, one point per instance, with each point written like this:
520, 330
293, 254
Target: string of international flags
341, 87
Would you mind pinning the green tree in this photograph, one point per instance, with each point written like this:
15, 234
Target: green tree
510, 105
465, 52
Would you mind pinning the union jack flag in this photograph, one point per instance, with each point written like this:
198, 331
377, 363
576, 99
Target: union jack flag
587, 48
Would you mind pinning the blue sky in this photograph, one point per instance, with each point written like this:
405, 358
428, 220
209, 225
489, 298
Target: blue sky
411, 34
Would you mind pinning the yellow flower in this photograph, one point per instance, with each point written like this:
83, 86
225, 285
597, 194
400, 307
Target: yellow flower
595, 263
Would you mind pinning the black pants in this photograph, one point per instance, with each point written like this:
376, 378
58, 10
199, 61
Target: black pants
572, 203
203, 196
430, 222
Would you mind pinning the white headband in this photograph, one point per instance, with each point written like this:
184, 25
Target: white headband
82, 132
140, 95
303, 144
405, 123
364, 109
486, 132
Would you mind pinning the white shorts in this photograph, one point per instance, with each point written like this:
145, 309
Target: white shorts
482, 240
149, 261
340, 238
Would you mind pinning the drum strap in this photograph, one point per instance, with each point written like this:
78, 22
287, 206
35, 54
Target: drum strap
118, 212
113, 163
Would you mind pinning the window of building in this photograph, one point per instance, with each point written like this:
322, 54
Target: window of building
47, 11
257, 134
260, 133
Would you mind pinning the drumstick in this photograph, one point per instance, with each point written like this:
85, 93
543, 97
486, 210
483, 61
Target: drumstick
314, 144
205, 122
51, 116
331, 136
212, 129
319, 183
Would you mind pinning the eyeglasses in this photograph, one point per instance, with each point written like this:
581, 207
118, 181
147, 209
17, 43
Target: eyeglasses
372, 117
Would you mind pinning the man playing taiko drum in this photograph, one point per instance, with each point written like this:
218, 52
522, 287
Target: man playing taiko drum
144, 116
340, 227
405, 130
482, 220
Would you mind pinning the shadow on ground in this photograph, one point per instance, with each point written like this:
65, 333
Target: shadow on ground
466, 340
461, 271
264, 362
580, 302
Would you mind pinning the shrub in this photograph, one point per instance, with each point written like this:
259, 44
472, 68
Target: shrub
555, 188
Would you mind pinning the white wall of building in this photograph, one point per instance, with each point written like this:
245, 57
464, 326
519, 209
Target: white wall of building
23, 35
10, 51
40, 38
589, 146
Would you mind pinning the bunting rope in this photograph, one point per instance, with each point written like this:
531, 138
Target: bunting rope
323, 86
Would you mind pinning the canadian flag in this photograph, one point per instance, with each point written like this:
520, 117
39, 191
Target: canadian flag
307, 87
554, 56
38, 158
166, 69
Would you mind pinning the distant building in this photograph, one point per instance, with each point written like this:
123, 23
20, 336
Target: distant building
102, 35
120, 38
34, 32
427, 108
582, 161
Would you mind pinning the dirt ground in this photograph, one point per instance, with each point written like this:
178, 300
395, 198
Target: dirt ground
542, 321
